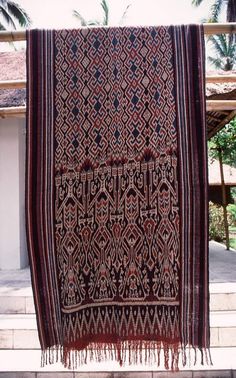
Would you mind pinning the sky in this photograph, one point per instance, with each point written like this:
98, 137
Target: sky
58, 13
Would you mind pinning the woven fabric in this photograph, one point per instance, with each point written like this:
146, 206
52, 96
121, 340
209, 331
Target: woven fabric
117, 192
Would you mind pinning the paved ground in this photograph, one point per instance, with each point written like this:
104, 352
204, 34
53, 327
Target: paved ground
222, 269
222, 263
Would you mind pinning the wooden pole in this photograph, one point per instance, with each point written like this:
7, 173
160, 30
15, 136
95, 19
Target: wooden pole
14, 111
224, 201
221, 79
218, 105
12, 84
12, 36
212, 28
219, 28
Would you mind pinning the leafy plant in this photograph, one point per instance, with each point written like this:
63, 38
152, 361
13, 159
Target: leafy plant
11, 14
216, 222
225, 140
225, 49
217, 8
232, 214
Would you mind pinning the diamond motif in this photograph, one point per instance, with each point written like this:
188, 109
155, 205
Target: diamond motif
134, 100
75, 111
85, 62
98, 138
132, 38
74, 79
97, 106
114, 41
116, 103
74, 48
97, 74
133, 67
117, 133
85, 92
96, 44
135, 132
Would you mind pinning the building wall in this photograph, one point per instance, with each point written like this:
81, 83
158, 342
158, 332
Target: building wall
13, 251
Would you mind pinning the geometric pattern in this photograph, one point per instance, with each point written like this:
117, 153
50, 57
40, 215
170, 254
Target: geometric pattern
117, 212
117, 192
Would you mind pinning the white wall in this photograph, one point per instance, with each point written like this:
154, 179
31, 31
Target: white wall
13, 251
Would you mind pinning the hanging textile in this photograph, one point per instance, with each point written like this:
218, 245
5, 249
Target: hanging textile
116, 196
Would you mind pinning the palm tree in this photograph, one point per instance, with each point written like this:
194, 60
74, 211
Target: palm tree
225, 49
12, 14
217, 8
106, 13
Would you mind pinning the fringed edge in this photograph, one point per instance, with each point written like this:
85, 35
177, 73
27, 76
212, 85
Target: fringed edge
128, 353
192, 355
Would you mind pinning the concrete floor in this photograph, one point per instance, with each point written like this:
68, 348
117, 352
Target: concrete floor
222, 263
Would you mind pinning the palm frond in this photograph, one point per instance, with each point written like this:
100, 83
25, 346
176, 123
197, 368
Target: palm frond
19, 14
7, 17
196, 3
93, 23
215, 10
215, 62
124, 14
218, 46
232, 49
2, 27
80, 18
3, 3
106, 12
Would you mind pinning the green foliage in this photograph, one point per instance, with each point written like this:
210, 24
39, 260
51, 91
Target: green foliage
225, 49
233, 193
216, 222
225, 140
105, 12
231, 210
217, 8
232, 242
11, 14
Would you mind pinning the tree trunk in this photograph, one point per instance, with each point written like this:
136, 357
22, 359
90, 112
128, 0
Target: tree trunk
224, 201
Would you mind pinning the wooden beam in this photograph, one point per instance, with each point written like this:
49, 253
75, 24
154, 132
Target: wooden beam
12, 84
214, 105
218, 28
11, 36
221, 79
212, 118
213, 28
14, 111
222, 124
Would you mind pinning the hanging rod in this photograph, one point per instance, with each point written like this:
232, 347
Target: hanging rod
219, 79
14, 111
212, 28
12, 84
211, 106
219, 28
218, 105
